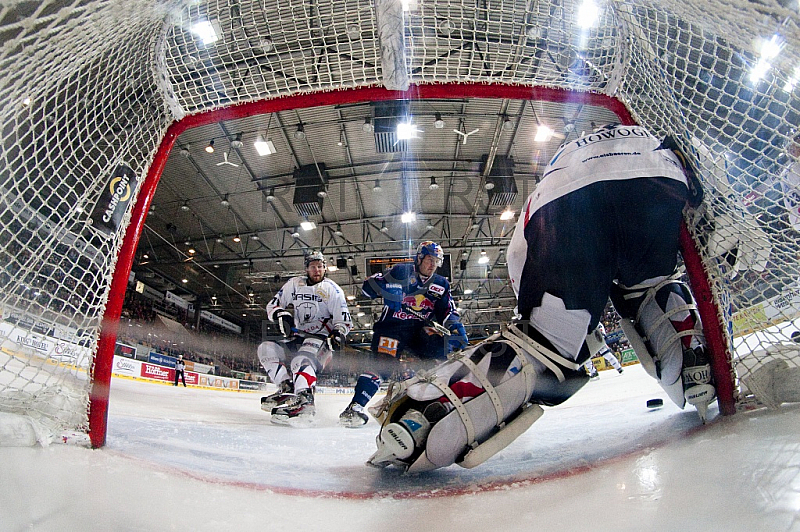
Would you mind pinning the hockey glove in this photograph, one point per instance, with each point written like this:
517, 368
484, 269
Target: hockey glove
285, 322
336, 340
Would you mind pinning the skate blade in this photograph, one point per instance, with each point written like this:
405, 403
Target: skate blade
301, 421
352, 423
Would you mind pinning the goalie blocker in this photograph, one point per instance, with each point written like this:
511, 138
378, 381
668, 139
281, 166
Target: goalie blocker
474, 405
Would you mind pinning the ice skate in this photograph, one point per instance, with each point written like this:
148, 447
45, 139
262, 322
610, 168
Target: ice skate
278, 398
353, 416
297, 411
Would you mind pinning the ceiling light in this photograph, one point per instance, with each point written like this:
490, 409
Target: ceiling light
543, 134
406, 130
300, 134
429, 227
507, 214
266, 44
332, 267
185, 151
465, 254
384, 229
588, 13
322, 193
488, 185
351, 297
467, 292
152, 209
508, 125
264, 146
236, 143
359, 314
185, 206
366, 127
225, 202
26, 101
220, 240
438, 123
184, 280
341, 139
295, 234
338, 231
213, 298
251, 293
308, 226
271, 195
145, 256
434, 185
237, 239
254, 237
210, 147
191, 251
483, 258
353, 31
408, 217
208, 32
377, 187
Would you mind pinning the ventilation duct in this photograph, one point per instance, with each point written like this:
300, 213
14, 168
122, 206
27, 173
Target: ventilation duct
503, 190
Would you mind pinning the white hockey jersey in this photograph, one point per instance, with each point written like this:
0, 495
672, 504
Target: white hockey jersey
317, 309
621, 152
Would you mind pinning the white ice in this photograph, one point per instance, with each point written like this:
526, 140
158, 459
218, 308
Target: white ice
195, 459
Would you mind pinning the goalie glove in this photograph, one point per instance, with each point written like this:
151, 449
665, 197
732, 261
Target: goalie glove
336, 340
285, 322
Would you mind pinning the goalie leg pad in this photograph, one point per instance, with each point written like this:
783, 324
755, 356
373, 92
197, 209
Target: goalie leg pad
666, 334
476, 423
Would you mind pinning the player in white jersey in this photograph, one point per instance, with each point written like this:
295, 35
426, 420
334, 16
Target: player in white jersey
604, 221
313, 317
596, 342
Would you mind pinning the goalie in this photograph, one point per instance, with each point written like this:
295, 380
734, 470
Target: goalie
604, 221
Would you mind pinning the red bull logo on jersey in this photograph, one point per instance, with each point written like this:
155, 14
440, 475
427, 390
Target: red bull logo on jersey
418, 302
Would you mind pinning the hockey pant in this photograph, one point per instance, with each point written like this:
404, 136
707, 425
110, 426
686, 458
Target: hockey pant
308, 357
472, 406
661, 322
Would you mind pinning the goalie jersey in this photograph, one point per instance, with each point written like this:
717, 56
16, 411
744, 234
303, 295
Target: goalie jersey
611, 153
317, 308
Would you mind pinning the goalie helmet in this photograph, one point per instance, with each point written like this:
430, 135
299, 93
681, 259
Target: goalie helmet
430, 248
314, 255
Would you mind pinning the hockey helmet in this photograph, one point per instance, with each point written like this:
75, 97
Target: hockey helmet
314, 255
430, 248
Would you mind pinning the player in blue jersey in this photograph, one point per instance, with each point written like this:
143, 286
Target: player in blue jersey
418, 317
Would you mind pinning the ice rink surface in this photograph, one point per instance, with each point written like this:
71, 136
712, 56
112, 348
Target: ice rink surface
197, 459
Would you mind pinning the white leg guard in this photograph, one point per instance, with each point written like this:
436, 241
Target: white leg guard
667, 336
469, 408
271, 356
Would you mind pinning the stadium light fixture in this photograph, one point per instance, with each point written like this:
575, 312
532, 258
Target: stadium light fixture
264, 146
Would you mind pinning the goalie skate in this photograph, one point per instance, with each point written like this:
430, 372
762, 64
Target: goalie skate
298, 411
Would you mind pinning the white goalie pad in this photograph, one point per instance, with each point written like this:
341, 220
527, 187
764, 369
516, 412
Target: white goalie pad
474, 429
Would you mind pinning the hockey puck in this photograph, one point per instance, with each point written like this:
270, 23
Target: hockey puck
655, 403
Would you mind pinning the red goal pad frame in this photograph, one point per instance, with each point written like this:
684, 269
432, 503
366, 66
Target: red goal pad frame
102, 367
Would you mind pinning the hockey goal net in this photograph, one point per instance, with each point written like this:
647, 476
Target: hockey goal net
94, 93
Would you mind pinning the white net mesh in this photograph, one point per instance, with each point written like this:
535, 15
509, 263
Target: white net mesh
90, 87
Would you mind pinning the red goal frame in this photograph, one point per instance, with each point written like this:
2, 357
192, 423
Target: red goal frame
103, 361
